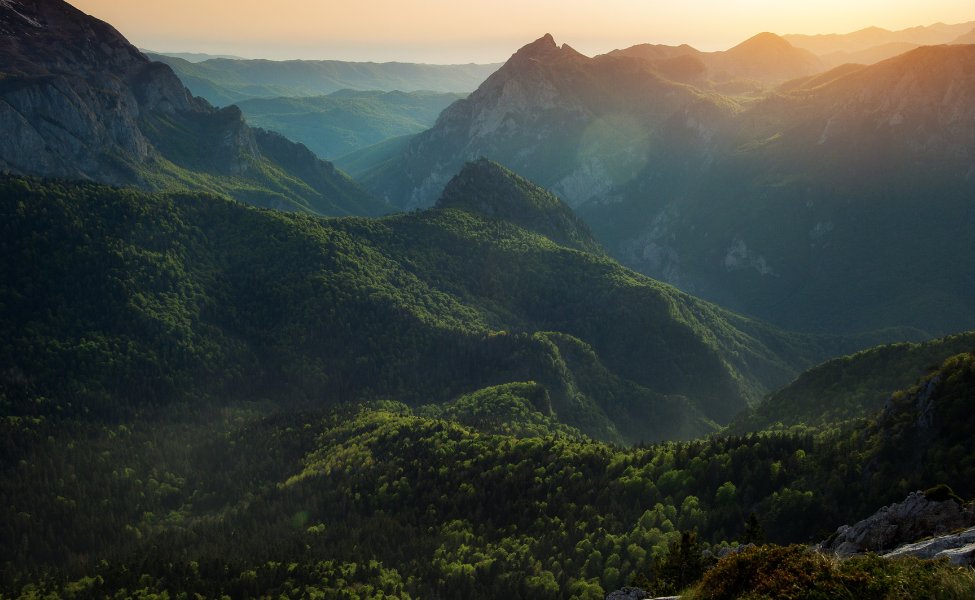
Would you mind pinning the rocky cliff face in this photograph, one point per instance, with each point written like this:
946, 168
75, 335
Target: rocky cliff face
579, 126
757, 204
72, 93
77, 101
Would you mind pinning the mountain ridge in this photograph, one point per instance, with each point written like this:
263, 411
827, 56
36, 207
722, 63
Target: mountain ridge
487, 188
80, 102
649, 163
227, 81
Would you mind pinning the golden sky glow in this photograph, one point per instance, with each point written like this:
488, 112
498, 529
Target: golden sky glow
463, 31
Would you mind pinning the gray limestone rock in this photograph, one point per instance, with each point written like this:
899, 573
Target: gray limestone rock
915, 518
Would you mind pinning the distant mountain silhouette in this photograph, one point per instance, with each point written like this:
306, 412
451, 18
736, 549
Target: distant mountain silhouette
968, 38
873, 44
871, 37
763, 59
227, 81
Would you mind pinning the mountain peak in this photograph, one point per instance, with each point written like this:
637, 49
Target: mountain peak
763, 42
543, 47
486, 188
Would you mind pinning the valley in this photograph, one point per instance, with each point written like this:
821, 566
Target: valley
688, 321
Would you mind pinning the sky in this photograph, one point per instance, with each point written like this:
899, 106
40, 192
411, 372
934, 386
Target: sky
463, 31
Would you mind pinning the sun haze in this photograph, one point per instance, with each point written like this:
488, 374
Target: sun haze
480, 31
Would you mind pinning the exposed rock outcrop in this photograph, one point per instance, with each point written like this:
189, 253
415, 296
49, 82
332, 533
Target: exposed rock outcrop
917, 517
72, 93
628, 593
958, 548
632, 593
78, 101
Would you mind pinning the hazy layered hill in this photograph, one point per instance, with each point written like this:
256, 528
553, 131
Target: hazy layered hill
811, 207
193, 57
817, 210
345, 121
751, 66
968, 38
874, 44
80, 102
225, 81
939, 33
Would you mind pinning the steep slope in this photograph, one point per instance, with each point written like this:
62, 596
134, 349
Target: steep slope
210, 298
849, 387
819, 211
814, 207
78, 101
345, 121
578, 126
486, 188
226, 81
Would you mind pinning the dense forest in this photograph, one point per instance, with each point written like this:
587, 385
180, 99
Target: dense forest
235, 379
192, 405
436, 502
113, 299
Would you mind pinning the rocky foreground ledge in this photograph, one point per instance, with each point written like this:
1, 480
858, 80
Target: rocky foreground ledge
632, 593
928, 524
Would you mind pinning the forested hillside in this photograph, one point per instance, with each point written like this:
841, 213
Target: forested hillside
114, 300
812, 206
226, 501
849, 387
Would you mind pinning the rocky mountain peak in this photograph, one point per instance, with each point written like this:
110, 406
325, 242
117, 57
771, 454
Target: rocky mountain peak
51, 36
545, 50
540, 48
78, 101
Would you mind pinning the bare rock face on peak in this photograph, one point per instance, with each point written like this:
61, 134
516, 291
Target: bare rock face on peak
78, 101
754, 202
576, 125
72, 93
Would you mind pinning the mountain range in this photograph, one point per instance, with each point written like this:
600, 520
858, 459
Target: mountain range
80, 102
223, 300
225, 81
343, 122
750, 67
874, 44
794, 206
203, 396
